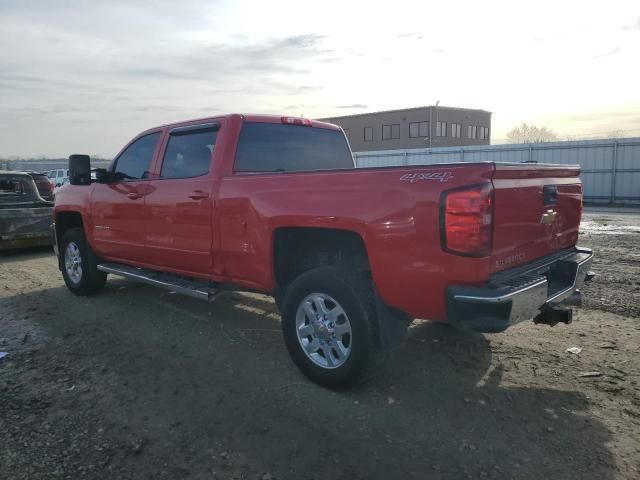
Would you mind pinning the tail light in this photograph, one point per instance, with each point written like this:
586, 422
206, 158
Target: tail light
581, 204
466, 220
296, 121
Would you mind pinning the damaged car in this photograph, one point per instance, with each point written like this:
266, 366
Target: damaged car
25, 217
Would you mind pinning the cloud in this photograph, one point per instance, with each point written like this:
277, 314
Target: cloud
353, 105
131, 65
91, 74
620, 116
410, 35
220, 61
633, 26
275, 66
608, 53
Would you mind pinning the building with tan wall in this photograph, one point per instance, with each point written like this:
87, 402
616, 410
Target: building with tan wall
419, 127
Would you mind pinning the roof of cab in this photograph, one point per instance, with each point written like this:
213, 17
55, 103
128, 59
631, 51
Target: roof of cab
250, 117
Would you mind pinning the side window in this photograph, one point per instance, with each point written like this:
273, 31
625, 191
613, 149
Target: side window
135, 161
188, 154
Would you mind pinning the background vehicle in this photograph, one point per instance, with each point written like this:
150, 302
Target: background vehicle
25, 217
45, 187
64, 182
275, 205
57, 176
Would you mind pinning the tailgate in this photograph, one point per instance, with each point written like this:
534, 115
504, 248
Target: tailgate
537, 210
25, 222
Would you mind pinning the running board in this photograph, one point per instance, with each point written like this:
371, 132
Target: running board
200, 289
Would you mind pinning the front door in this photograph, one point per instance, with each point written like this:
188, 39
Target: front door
179, 205
117, 207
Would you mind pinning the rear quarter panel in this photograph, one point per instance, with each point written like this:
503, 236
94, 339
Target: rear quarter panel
394, 210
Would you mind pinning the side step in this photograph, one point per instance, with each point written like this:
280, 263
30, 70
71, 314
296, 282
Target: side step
194, 288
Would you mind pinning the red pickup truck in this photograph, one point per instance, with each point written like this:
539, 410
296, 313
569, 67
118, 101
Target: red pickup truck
275, 205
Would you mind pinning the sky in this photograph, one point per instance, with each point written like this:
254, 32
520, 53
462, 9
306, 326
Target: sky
82, 76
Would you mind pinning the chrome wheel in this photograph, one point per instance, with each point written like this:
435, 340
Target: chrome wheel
73, 262
324, 330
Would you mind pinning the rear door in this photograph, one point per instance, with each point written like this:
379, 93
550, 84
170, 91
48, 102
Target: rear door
117, 208
179, 206
537, 212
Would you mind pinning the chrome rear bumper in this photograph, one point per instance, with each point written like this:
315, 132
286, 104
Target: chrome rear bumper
520, 294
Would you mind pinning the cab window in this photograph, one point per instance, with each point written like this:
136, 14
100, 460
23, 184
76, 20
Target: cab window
135, 162
189, 153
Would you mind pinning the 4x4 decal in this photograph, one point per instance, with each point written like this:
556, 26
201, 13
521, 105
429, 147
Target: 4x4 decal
420, 176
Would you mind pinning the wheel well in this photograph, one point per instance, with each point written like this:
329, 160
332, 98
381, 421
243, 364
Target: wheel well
65, 221
299, 249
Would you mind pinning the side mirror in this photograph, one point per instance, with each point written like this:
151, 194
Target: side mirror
79, 170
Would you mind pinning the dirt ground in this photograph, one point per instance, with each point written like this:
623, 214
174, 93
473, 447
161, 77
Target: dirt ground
139, 383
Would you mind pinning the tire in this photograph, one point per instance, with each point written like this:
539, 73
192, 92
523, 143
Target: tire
79, 264
330, 313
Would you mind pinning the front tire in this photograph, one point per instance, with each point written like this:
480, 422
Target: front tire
328, 322
79, 264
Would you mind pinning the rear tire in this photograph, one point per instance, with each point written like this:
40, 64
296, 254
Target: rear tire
80, 264
329, 326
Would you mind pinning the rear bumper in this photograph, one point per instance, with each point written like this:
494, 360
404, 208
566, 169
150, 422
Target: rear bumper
24, 227
532, 291
25, 240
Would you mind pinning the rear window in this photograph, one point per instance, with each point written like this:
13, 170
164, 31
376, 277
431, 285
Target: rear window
273, 147
13, 187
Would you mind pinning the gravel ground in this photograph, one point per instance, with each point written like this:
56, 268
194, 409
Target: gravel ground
139, 383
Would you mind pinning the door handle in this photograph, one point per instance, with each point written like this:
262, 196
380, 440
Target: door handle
133, 195
198, 195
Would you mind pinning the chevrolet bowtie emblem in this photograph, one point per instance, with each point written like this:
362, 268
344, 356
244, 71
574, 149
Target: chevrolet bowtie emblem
548, 217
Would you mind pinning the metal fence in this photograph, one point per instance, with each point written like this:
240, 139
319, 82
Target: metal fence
610, 168
44, 165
